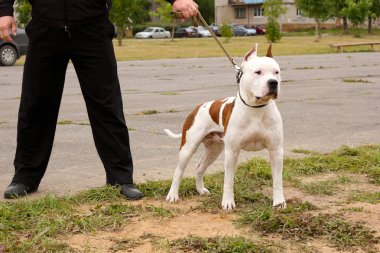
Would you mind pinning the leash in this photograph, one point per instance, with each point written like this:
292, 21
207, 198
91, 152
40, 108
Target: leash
238, 70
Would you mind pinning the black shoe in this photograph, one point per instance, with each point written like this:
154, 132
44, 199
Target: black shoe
16, 190
131, 192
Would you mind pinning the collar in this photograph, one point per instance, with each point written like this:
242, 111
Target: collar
252, 106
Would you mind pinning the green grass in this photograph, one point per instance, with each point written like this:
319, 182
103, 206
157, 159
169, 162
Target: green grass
64, 122
221, 245
369, 197
34, 225
322, 187
169, 93
351, 80
297, 223
304, 151
149, 112
172, 111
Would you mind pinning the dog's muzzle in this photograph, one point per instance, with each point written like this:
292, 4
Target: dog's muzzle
273, 88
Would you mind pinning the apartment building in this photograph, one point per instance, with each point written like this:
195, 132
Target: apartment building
251, 12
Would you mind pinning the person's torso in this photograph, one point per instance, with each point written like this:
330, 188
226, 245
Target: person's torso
62, 13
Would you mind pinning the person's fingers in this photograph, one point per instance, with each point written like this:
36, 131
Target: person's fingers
193, 10
185, 13
1, 35
14, 28
6, 35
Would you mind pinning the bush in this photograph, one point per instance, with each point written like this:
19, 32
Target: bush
226, 30
272, 31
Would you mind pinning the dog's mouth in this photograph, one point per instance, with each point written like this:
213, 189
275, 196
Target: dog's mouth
269, 95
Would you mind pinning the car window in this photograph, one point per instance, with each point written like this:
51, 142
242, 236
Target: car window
149, 30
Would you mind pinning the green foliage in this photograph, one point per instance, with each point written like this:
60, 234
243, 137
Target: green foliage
24, 11
164, 12
315, 9
125, 13
207, 9
273, 10
357, 11
272, 31
226, 30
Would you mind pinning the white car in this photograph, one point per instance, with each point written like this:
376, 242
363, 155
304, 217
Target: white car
153, 33
202, 31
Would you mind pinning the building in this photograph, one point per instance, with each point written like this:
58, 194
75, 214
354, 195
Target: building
251, 12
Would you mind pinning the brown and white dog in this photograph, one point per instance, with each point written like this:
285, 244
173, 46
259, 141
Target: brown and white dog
249, 121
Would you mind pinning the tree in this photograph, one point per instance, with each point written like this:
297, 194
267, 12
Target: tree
207, 8
374, 12
125, 13
164, 12
336, 11
319, 10
273, 9
357, 11
24, 11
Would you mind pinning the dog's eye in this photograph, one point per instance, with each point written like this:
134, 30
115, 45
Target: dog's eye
277, 72
258, 72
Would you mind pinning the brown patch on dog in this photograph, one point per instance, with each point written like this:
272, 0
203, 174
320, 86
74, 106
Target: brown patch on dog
215, 109
188, 123
227, 111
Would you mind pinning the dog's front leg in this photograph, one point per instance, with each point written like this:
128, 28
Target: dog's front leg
276, 162
231, 156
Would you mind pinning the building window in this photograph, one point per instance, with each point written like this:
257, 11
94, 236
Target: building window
258, 12
240, 13
299, 13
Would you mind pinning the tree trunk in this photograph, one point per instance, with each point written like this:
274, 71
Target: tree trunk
369, 24
172, 29
345, 25
317, 35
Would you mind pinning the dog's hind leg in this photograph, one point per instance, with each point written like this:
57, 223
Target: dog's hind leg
212, 152
185, 154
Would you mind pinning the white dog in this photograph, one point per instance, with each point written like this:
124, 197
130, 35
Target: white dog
249, 121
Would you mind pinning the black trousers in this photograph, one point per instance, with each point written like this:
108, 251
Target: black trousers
90, 49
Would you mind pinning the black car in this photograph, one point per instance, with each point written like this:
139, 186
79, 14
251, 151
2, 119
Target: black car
11, 51
186, 32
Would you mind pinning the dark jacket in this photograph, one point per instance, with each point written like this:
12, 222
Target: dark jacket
62, 13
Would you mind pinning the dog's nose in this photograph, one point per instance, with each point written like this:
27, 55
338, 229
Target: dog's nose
272, 84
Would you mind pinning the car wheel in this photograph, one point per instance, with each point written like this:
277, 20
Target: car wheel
150, 37
8, 55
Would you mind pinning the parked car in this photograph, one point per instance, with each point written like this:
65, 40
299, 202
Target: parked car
251, 31
153, 33
239, 30
202, 32
215, 29
186, 32
259, 29
11, 51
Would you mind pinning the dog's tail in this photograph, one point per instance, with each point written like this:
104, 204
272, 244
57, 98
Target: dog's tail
172, 135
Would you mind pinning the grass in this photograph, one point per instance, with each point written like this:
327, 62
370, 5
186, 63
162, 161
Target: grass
351, 80
149, 112
220, 245
169, 93
65, 122
35, 225
368, 197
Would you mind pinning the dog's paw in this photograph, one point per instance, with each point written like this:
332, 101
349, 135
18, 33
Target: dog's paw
280, 205
172, 198
203, 191
228, 204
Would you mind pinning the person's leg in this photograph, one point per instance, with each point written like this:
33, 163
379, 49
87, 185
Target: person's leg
94, 61
42, 86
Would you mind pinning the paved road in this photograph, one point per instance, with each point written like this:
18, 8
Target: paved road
320, 112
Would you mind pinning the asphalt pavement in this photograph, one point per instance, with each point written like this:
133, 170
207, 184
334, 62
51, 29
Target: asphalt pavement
326, 101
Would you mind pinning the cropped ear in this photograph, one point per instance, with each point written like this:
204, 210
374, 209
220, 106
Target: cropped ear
252, 53
269, 52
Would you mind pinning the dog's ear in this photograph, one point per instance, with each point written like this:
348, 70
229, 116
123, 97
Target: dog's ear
251, 53
269, 52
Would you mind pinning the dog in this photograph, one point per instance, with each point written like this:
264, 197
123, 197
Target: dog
249, 121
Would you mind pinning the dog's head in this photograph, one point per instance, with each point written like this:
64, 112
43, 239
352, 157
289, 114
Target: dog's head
261, 77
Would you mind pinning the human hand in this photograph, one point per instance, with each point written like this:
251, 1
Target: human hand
7, 23
187, 8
